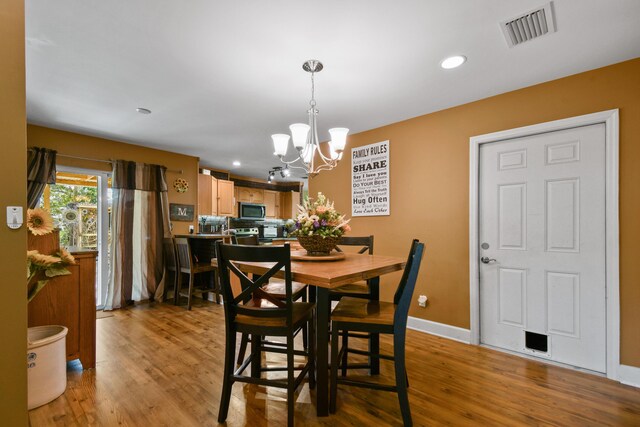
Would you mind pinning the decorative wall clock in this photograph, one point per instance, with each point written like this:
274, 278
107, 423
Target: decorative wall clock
181, 185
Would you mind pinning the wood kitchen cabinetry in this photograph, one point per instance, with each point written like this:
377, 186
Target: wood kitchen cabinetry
289, 204
278, 204
250, 195
272, 203
71, 301
226, 198
207, 195
215, 196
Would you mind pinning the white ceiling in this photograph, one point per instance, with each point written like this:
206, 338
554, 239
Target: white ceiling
222, 76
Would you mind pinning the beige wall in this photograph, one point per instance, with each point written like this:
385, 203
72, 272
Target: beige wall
104, 149
429, 165
13, 243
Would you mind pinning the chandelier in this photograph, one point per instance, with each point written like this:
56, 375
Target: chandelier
305, 137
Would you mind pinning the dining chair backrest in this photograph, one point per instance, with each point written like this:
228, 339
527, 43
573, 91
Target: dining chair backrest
169, 253
183, 252
251, 239
366, 243
404, 293
251, 288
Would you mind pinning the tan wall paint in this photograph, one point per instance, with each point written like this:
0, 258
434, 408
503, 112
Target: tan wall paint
429, 165
104, 149
13, 243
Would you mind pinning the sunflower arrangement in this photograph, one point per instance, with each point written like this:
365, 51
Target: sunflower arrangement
319, 218
39, 222
42, 267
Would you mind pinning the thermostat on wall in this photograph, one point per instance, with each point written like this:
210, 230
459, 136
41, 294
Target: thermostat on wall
14, 217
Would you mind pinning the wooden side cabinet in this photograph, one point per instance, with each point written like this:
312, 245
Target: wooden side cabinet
71, 301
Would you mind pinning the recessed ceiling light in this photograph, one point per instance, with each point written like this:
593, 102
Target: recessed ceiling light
453, 62
143, 110
236, 163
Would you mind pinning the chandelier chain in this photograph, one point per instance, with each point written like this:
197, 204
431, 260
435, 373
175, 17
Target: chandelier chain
313, 91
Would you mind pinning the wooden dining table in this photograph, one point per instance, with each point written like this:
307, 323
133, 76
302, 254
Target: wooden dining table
323, 276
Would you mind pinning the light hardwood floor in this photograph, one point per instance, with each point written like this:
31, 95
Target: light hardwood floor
160, 365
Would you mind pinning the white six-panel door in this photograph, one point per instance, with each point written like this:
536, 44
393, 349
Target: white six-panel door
542, 219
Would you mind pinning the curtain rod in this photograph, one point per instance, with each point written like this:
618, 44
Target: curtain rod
110, 161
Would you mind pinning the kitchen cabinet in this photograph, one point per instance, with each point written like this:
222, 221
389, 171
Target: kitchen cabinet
250, 195
215, 196
226, 198
272, 203
289, 204
207, 195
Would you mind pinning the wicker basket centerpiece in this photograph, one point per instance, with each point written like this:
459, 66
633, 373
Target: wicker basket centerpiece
319, 226
318, 245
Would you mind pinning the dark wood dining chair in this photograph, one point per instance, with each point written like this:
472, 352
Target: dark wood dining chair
187, 265
367, 289
275, 287
171, 266
357, 314
254, 311
363, 289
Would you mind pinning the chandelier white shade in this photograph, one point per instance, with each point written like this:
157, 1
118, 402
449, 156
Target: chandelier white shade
310, 156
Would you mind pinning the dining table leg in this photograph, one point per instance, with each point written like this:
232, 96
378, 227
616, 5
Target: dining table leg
374, 340
322, 354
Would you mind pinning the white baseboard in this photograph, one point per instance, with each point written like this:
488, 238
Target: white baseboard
439, 329
629, 375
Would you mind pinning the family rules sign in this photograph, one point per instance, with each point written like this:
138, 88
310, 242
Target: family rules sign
370, 180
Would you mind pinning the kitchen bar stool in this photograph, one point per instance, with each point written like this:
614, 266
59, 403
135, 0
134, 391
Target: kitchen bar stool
171, 267
186, 265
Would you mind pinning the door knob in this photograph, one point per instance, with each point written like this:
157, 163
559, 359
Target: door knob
487, 260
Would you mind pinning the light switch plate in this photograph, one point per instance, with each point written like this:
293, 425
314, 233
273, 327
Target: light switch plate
14, 217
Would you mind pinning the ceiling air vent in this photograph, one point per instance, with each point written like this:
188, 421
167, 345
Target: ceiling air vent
530, 25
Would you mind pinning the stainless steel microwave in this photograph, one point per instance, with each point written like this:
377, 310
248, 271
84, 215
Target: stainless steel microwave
253, 211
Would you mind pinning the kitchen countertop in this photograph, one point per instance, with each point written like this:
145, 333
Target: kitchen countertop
203, 236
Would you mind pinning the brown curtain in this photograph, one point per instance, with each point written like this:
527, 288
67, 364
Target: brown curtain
41, 170
139, 222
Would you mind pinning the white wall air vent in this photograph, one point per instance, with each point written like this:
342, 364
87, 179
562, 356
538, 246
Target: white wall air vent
533, 24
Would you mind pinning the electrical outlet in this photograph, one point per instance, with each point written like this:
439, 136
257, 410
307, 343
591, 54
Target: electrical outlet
422, 300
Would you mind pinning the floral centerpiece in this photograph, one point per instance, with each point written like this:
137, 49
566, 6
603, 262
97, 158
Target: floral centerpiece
319, 226
41, 267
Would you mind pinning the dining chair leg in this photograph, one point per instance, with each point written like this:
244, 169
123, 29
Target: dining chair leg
334, 369
244, 340
345, 354
305, 331
291, 398
401, 376
227, 381
176, 276
216, 285
256, 343
176, 297
191, 284
312, 353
